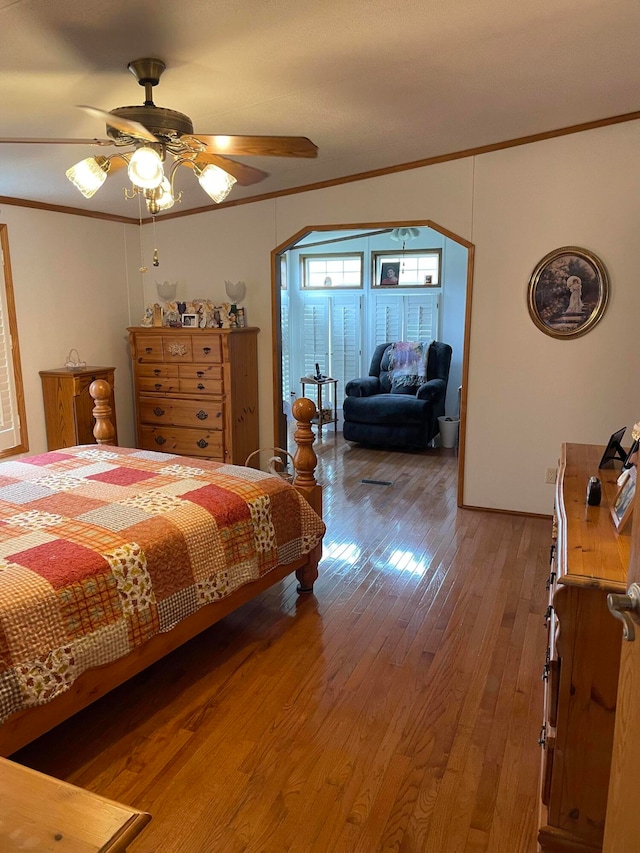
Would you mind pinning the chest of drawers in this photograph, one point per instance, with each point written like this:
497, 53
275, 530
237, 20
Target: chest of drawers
588, 560
196, 391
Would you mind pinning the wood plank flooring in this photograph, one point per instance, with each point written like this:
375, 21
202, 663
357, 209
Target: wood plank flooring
397, 709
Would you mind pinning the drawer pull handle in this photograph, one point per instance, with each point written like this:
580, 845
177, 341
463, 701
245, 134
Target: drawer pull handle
148, 349
206, 350
545, 672
201, 416
156, 372
158, 386
542, 740
200, 374
550, 580
160, 440
158, 411
202, 443
547, 615
200, 386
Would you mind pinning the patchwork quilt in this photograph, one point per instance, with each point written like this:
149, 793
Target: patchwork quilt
103, 547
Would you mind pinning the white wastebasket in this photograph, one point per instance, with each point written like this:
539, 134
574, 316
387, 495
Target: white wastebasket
449, 431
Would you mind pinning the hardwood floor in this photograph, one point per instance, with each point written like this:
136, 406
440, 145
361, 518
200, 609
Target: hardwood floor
397, 709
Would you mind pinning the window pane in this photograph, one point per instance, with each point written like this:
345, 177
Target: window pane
330, 271
416, 268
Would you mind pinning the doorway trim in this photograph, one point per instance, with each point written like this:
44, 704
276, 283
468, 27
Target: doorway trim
291, 242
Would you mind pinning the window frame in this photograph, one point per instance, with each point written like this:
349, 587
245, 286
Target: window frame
378, 258
305, 258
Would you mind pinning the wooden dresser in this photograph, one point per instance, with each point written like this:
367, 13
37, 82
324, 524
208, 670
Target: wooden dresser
196, 391
68, 406
40, 813
588, 560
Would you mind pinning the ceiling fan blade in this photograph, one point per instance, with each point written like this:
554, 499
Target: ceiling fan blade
244, 175
16, 141
268, 146
124, 125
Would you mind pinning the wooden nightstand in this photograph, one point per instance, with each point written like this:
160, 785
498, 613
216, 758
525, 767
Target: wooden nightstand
68, 405
38, 812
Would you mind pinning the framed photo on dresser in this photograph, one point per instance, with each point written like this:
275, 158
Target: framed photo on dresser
623, 504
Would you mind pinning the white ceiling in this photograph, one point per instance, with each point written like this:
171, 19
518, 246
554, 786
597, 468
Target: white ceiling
373, 83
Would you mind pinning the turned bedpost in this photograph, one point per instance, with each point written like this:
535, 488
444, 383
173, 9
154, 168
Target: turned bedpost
103, 431
305, 459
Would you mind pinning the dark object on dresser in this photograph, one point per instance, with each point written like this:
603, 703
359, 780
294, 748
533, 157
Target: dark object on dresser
594, 491
380, 411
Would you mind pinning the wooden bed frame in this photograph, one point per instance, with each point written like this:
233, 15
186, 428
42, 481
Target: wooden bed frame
27, 725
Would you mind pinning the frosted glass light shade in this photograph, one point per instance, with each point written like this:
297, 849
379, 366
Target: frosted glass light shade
145, 168
403, 235
89, 175
161, 198
215, 182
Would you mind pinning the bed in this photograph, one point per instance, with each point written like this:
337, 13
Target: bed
112, 557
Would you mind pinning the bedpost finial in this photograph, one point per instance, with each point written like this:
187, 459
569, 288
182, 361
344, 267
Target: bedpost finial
304, 409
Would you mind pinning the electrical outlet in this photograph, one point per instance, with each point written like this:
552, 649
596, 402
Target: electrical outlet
550, 476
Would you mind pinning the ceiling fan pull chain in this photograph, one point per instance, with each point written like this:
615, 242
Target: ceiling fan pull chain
156, 261
143, 268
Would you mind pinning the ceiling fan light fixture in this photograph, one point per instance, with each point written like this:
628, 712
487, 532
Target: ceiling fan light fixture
403, 235
160, 198
214, 181
145, 168
89, 175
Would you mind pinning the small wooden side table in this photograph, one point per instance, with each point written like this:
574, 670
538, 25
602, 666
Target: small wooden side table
325, 416
38, 812
68, 407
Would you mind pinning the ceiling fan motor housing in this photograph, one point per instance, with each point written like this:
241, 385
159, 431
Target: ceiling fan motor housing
162, 122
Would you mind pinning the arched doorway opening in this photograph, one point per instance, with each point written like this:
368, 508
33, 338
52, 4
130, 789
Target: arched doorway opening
333, 239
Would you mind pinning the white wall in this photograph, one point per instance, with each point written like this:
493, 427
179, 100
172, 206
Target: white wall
73, 289
527, 392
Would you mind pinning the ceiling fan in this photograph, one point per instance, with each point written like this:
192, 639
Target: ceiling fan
155, 132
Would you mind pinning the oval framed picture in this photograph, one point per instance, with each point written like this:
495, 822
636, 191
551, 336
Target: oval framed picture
568, 292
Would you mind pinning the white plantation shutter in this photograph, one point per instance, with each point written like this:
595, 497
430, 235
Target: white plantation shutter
316, 335
332, 337
286, 346
404, 318
387, 319
345, 338
6, 395
421, 317
12, 433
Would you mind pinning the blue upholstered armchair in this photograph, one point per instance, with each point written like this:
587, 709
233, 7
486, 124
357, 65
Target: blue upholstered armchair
391, 407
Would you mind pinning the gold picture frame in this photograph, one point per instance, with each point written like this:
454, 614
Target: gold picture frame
568, 292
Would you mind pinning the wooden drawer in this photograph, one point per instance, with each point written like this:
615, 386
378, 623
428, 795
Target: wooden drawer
202, 414
151, 385
207, 348
158, 371
176, 349
148, 348
184, 442
201, 378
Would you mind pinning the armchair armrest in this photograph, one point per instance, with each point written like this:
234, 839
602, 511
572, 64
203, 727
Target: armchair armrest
366, 386
432, 391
